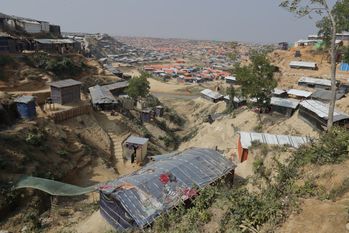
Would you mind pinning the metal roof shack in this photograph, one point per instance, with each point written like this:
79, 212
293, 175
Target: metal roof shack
299, 93
284, 106
246, 139
325, 95
65, 83
102, 98
136, 200
65, 91
303, 65
316, 113
211, 95
314, 82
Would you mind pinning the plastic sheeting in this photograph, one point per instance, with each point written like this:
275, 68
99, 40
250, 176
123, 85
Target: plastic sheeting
136, 200
344, 67
53, 187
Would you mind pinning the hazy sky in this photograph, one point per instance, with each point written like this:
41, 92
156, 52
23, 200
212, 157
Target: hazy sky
241, 20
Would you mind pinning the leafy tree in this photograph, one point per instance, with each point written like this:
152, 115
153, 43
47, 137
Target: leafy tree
138, 87
231, 93
257, 79
334, 19
345, 57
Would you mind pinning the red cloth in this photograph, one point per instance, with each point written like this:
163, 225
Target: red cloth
164, 178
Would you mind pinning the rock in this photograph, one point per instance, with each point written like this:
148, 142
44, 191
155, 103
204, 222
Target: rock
347, 226
4, 231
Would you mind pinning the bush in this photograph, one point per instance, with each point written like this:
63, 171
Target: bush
34, 138
332, 147
63, 66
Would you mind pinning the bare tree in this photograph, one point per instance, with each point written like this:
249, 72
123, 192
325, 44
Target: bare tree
320, 7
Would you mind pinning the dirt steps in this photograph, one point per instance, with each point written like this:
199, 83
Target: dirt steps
117, 150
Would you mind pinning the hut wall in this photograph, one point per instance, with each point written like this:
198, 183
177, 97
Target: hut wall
68, 95
312, 118
242, 153
282, 110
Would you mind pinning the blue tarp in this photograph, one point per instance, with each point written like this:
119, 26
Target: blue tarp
344, 67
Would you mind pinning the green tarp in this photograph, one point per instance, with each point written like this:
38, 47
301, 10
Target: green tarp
53, 187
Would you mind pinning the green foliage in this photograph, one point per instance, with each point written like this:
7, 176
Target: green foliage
231, 93
190, 218
340, 11
138, 87
34, 138
175, 118
340, 191
64, 66
257, 79
62, 152
345, 57
332, 147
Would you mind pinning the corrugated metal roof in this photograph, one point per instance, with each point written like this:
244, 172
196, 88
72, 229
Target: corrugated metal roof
300, 93
137, 140
321, 109
319, 81
163, 184
100, 95
246, 139
278, 91
303, 64
288, 103
115, 86
24, 99
65, 83
325, 95
211, 94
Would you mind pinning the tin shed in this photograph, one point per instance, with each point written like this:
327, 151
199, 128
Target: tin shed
65, 91
137, 146
26, 107
284, 106
136, 200
316, 113
246, 139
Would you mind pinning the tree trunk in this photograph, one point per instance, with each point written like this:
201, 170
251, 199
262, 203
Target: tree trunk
333, 52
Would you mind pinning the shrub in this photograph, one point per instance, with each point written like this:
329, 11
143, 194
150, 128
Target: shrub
63, 66
332, 147
34, 138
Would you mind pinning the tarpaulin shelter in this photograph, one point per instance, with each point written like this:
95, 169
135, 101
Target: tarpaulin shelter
134, 201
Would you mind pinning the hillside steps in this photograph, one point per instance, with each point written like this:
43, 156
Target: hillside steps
117, 148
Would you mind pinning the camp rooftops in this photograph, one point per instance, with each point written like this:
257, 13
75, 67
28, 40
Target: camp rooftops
135, 200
